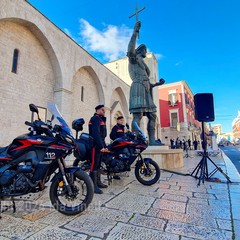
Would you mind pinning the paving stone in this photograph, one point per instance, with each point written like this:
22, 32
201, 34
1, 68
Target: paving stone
91, 226
198, 201
234, 188
98, 222
218, 186
235, 196
37, 214
151, 192
214, 212
222, 196
131, 202
173, 187
236, 229
114, 189
4, 238
25, 207
203, 195
219, 203
217, 191
170, 205
164, 185
129, 232
15, 228
100, 199
173, 192
197, 232
169, 215
149, 222
57, 219
174, 197
183, 217
193, 189
187, 238
236, 211
50, 233
224, 224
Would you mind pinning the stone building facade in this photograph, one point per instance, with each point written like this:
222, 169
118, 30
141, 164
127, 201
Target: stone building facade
40, 63
236, 126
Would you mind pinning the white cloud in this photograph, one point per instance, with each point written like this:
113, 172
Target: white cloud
112, 41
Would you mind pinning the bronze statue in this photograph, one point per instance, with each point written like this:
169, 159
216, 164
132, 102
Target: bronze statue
141, 99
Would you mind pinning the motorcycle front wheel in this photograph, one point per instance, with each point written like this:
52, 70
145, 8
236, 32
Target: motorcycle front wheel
81, 196
147, 172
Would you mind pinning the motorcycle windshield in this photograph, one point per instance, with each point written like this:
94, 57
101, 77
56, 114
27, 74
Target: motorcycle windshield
52, 107
139, 129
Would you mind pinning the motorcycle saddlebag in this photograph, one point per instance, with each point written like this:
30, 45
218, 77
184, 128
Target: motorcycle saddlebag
88, 140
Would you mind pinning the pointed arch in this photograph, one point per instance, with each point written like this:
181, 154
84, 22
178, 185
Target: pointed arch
87, 92
118, 105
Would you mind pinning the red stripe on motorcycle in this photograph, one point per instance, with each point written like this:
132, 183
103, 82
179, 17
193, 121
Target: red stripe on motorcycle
27, 143
56, 146
5, 159
123, 144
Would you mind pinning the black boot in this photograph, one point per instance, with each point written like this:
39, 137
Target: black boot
93, 176
99, 183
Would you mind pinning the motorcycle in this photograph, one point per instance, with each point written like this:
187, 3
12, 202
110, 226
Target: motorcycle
38, 157
122, 154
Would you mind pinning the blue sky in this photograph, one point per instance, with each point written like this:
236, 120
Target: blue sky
194, 40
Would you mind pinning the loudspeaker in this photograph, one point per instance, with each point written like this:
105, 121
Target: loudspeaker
204, 108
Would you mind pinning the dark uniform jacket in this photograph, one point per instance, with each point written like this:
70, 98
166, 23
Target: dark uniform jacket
117, 131
98, 130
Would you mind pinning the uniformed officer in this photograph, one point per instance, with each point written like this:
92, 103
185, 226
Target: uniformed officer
118, 130
98, 130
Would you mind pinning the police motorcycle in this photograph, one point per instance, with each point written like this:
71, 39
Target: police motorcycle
38, 157
123, 152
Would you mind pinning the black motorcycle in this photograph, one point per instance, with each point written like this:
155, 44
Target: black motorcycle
123, 152
37, 157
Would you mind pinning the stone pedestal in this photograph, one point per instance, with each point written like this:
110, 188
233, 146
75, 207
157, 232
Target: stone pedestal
165, 157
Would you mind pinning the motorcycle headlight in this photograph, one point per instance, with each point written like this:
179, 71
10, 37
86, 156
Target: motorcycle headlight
69, 139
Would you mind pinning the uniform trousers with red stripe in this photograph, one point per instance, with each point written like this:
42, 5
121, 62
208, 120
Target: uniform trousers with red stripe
96, 159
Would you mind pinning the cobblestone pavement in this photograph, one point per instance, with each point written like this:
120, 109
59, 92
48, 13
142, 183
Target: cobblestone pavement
173, 208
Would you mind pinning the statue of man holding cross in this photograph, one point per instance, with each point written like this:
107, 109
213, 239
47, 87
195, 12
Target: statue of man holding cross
141, 98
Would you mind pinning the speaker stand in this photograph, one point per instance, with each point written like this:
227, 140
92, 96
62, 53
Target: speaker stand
202, 166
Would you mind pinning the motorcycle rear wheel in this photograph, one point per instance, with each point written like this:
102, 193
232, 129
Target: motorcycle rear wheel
83, 191
148, 173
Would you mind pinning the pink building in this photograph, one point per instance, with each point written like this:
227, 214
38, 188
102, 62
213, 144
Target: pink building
236, 126
177, 112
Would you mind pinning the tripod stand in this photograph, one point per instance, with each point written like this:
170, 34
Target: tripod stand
203, 166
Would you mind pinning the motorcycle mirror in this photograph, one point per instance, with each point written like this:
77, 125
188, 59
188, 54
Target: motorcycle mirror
127, 126
33, 108
52, 118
